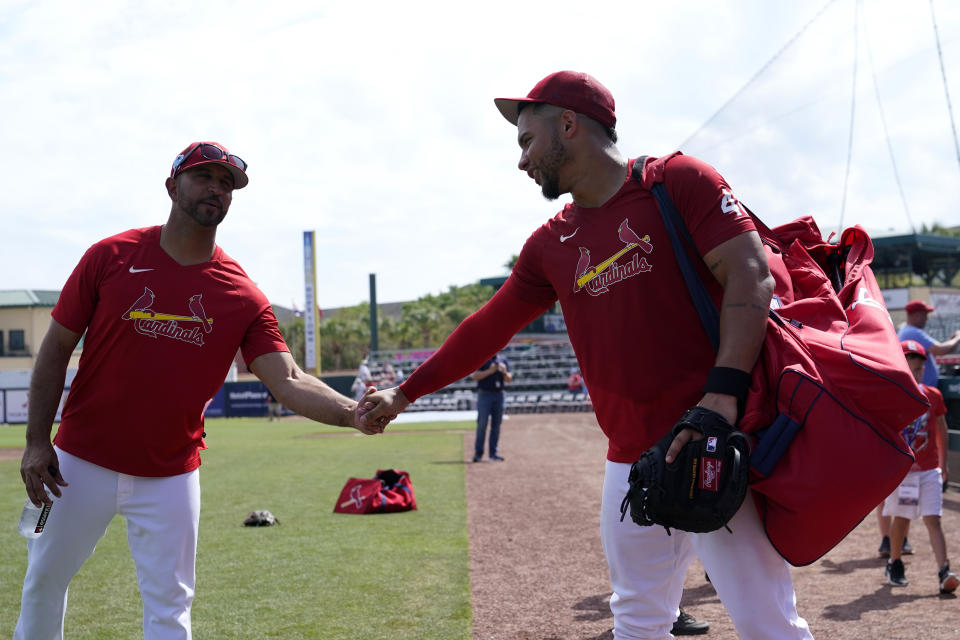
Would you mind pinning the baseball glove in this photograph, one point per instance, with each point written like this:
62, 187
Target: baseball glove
702, 488
260, 519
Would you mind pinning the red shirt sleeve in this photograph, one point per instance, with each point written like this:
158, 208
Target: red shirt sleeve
478, 337
527, 281
709, 208
937, 406
263, 335
78, 298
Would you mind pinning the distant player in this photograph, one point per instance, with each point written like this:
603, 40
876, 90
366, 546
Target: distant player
491, 401
164, 311
920, 493
638, 339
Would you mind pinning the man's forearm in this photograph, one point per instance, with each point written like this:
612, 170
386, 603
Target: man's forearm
46, 389
943, 348
481, 335
743, 320
485, 373
312, 398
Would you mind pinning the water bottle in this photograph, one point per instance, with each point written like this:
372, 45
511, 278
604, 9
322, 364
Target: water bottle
34, 519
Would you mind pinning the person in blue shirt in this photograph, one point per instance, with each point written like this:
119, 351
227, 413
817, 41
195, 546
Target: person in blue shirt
490, 378
917, 312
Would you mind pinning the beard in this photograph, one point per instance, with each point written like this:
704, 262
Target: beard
203, 218
549, 168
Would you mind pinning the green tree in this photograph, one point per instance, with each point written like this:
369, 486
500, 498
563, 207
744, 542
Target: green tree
431, 318
293, 334
938, 229
345, 338
423, 323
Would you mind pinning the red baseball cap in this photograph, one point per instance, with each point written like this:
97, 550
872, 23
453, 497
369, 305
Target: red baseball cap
913, 348
198, 153
572, 90
917, 305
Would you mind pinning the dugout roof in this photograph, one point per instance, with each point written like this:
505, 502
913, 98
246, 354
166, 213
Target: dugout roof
934, 258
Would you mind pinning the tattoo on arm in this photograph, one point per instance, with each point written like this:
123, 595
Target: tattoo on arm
743, 305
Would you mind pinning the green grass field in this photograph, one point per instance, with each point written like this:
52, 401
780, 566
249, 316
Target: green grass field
317, 574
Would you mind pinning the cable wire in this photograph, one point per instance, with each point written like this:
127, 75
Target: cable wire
883, 121
853, 111
946, 91
757, 74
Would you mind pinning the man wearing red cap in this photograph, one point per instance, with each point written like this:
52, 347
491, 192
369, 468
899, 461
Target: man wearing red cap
607, 259
164, 311
917, 312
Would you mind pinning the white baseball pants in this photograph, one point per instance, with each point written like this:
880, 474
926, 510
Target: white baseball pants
926, 499
648, 567
163, 516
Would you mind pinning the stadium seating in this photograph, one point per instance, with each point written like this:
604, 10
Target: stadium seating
540, 369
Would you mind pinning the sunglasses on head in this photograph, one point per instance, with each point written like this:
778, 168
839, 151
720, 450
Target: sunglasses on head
210, 152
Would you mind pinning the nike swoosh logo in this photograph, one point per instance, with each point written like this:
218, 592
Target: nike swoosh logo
564, 238
132, 270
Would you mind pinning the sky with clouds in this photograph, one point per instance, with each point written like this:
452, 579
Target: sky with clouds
374, 125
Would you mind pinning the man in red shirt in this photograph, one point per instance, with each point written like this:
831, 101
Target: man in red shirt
164, 311
607, 258
920, 492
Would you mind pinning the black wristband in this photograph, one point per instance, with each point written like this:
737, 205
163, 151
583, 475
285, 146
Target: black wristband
731, 382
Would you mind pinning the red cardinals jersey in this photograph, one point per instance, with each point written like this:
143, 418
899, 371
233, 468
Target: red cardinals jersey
641, 347
160, 338
923, 435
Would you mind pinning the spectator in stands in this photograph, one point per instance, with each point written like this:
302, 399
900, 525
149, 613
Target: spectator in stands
575, 382
490, 378
389, 377
364, 371
358, 388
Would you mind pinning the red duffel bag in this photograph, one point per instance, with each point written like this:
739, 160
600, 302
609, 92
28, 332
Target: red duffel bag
390, 490
831, 391
830, 394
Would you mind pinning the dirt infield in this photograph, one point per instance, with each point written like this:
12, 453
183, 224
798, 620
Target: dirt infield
538, 572
10, 453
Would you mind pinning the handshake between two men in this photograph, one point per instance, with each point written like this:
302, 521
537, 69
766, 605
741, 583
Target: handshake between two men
376, 409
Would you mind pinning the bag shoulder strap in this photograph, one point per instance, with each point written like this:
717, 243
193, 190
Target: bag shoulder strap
673, 221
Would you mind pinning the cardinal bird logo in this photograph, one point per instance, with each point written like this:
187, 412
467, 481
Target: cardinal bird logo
142, 303
582, 265
597, 279
197, 310
177, 327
